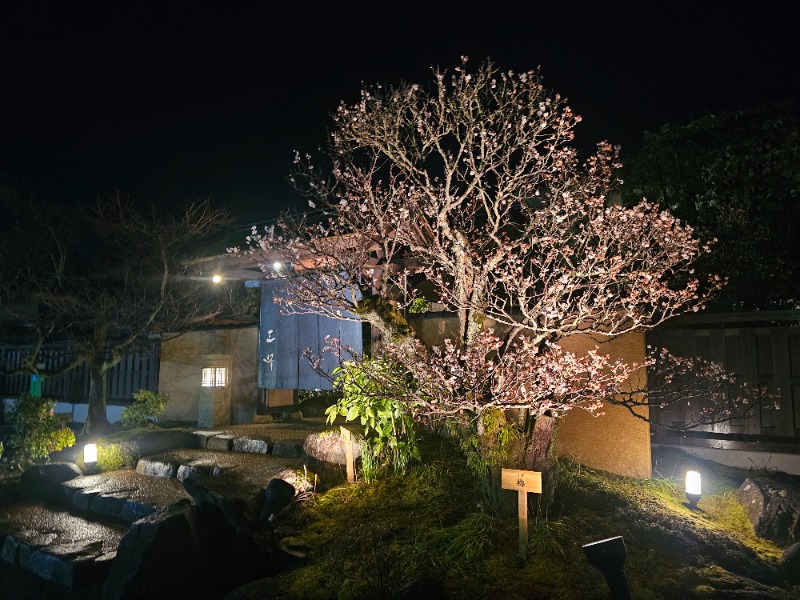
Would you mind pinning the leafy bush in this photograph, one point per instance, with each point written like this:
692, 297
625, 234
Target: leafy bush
112, 457
146, 407
370, 391
37, 430
419, 306
314, 403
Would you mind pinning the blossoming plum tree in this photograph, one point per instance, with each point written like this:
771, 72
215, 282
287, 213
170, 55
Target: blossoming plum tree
472, 186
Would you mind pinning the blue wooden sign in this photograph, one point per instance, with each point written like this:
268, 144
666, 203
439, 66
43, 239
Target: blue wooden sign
285, 337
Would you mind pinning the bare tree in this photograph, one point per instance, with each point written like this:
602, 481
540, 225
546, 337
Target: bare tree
101, 281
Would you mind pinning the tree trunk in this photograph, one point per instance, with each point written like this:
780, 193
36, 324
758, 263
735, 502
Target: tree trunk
96, 419
539, 454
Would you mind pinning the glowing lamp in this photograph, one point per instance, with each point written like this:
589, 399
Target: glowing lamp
693, 490
277, 266
216, 278
90, 453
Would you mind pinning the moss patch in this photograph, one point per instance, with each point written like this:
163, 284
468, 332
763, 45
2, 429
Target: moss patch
369, 541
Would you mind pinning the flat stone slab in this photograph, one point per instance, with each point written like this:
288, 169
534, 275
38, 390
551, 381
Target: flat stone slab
56, 545
252, 445
288, 449
223, 441
231, 474
124, 494
270, 432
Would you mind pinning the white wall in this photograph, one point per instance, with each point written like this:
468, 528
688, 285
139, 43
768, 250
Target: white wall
746, 459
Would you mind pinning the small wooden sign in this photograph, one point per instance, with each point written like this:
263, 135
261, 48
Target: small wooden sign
525, 482
347, 440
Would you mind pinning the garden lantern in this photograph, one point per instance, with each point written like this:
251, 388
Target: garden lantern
693, 490
90, 454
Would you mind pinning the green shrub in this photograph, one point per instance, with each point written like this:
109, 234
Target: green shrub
146, 407
419, 306
37, 430
370, 391
112, 457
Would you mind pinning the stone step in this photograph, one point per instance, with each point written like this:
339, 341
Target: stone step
277, 438
73, 538
233, 474
56, 545
125, 494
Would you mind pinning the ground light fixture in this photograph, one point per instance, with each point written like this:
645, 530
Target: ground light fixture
216, 278
693, 489
608, 557
89, 458
90, 453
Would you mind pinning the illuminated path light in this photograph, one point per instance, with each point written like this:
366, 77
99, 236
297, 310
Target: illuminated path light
693, 488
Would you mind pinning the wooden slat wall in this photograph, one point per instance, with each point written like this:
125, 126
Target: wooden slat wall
765, 356
134, 372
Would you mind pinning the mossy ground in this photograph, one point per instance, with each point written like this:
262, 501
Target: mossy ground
369, 541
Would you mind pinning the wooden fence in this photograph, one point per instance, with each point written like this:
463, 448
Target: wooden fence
137, 370
762, 349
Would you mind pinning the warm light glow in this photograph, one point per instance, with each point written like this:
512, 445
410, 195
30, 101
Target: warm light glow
214, 377
693, 482
217, 278
90, 453
277, 266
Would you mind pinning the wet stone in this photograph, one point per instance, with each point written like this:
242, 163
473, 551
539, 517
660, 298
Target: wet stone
198, 470
204, 436
329, 447
220, 442
133, 511
9, 550
44, 481
156, 468
288, 449
108, 504
52, 568
23, 555
56, 545
82, 499
790, 564
251, 445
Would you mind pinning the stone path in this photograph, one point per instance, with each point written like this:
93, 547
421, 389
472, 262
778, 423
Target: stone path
73, 536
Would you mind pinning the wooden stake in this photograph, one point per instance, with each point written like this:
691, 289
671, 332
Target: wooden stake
525, 482
347, 439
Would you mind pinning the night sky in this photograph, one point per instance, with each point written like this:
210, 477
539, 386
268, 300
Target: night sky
171, 101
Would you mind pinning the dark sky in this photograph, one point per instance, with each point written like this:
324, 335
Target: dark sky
170, 101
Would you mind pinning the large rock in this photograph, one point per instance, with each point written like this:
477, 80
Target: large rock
773, 508
235, 510
177, 552
328, 446
288, 448
790, 564
189, 551
57, 546
156, 468
251, 445
43, 482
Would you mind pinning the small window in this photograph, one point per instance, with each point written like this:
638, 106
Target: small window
215, 376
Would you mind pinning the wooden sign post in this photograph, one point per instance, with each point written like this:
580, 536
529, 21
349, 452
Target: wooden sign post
347, 439
525, 482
